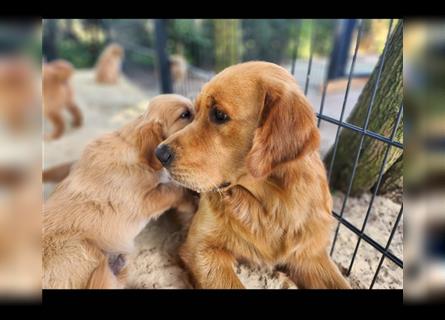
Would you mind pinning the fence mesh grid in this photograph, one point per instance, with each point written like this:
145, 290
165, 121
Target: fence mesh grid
363, 131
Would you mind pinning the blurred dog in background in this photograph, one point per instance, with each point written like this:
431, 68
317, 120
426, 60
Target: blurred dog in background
58, 95
19, 94
108, 67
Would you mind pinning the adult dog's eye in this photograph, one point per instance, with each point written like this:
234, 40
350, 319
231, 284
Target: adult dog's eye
186, 115
218, 116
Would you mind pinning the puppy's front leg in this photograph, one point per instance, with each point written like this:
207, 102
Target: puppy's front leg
186, 208
211, 268
163, 197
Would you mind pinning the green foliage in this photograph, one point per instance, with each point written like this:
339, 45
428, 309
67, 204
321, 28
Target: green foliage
324, 36
191, 38
79, 53
23, 38
33, 49
266, 39
261, 39
302, 30
227, 43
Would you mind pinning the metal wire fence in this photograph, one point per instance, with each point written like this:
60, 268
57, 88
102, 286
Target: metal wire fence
363, 132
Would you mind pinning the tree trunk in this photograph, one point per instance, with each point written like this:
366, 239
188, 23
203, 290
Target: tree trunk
227, 42
393, 178
383, 116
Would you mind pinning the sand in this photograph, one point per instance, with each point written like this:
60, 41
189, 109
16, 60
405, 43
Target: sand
155, 262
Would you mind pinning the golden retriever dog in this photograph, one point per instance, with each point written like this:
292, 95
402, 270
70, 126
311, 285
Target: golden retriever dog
252, 151
58, 95
18, 92
111, 192
178, 68
108, 67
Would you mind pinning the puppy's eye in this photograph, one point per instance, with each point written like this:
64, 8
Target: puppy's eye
218, 116
186, 115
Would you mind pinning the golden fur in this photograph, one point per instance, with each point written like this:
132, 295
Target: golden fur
112, 191
58, 95
277, 208
108, 67
18, 92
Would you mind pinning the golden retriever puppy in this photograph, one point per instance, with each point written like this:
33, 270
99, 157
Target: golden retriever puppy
18, 92
252, 151
178, 68
58, 95
108, 67
111, 192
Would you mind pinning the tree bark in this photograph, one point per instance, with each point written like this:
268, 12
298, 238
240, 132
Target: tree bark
393, 178
383, 116
227, 42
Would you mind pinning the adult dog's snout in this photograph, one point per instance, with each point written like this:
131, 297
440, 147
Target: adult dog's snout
164, 154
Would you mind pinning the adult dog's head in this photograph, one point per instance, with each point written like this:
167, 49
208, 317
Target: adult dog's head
250, 119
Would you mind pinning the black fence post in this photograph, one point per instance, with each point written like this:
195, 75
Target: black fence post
49, 40
163, 60
340, 52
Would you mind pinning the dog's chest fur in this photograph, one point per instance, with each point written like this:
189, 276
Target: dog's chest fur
262, 231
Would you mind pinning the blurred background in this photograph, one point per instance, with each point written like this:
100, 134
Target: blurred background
361, 75
180, 55
424, 171
20, 159
209, 45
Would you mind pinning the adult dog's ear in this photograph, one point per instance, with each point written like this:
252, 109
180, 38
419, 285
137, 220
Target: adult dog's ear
150, 136
286, 128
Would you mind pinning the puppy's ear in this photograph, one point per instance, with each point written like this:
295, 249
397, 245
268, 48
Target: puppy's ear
286, 129
150, 136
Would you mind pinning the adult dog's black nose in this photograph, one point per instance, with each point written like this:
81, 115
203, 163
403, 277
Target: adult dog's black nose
164, 154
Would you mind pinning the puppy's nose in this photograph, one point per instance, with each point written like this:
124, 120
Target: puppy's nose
164, 154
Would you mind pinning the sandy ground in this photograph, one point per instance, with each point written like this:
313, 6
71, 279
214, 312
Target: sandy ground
155, 262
